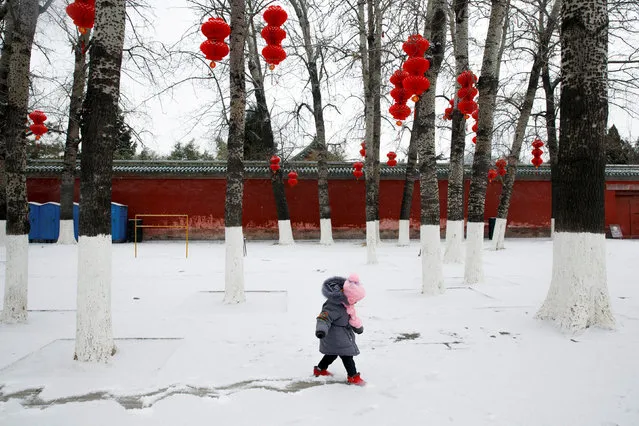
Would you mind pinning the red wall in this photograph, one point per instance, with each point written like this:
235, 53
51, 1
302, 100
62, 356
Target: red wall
203, 200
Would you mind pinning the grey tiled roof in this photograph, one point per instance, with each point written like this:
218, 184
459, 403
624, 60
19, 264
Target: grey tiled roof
303, 168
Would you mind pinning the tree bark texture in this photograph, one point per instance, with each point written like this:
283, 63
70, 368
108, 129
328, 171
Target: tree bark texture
551, 133
257, 78
525, 110
584, 116
425, 125
235, 167
4, 94
67, 185
25, 18
455, 208
487, 86
99, 119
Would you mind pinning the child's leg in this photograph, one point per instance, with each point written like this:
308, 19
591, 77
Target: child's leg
326, 361
349, 364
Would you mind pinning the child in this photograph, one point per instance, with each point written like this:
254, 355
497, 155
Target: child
337, 324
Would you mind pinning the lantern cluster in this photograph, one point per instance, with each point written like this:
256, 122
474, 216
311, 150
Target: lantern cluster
292, 178
537, 152
501, 166
466, 94
416, 66
362, 151
38, 128
216, 30
391, 159
82, 12
399, 110
275, 163
492, 174
475, 116
273, 53
357, 169
448, 112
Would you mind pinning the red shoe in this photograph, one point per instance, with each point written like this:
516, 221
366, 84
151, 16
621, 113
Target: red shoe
356, 380
317, 372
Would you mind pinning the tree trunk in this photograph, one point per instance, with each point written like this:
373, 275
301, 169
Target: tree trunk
277, 184
234, 272
412, 175
301, 10
455, 210
4, 93
487, 86
25, 18
551, 132
578, 295
94, 332
520, 129
424, 126
67, 185
373, 128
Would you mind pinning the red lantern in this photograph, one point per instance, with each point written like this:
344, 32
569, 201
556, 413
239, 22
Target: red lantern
416, 84
214, 51
536, 161
275, 15
216, 29
273, 34
466, 106
466, 78
474, 139
357, 172
391, 159
275, 163
448, 113
492, 174
537, 153
273, 55
82, 12
399, 112
400, 95
416, 45
292, 178
475, 127
501, 166
475, 114
397, 78
38, 116
416, 65
38, 129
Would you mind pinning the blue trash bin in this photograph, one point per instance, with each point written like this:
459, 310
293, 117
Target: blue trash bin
118, 222
76, 220
34, 221
50, 222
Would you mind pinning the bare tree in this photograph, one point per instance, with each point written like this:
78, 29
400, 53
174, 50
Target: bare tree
312, 55
23, 15
94, 333
578, 295
546, 29
234, 272
4, 93
455, 209
487, 86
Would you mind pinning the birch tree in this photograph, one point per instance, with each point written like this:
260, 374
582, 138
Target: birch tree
310, 61
234, 269
4, 93
424, 126
487, 86
94, 332
578, 294
23, 15
453, 252
546, 29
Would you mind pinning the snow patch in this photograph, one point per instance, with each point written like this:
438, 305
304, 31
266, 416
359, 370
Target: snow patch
371, 243
94, 331
432, 275
234, 272
326, 232
67, 236
404, 232
453, 252
16, 283
578, 294
474, 268
285, 231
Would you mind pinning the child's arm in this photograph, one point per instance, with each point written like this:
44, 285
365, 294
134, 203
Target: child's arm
323, 324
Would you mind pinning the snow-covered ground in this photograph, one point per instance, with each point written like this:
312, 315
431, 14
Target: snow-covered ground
472, 356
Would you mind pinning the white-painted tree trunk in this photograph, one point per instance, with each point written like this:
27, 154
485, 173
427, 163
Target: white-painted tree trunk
94, 330
453, 252
432, 275
378, 238
497, 243
326, 232
404, 232
578, 295
16, 282
474, 268
67, 236
552, 227
234, 271
286, 232
3, 232
371, 243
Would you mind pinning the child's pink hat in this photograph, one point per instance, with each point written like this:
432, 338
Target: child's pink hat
353, 289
